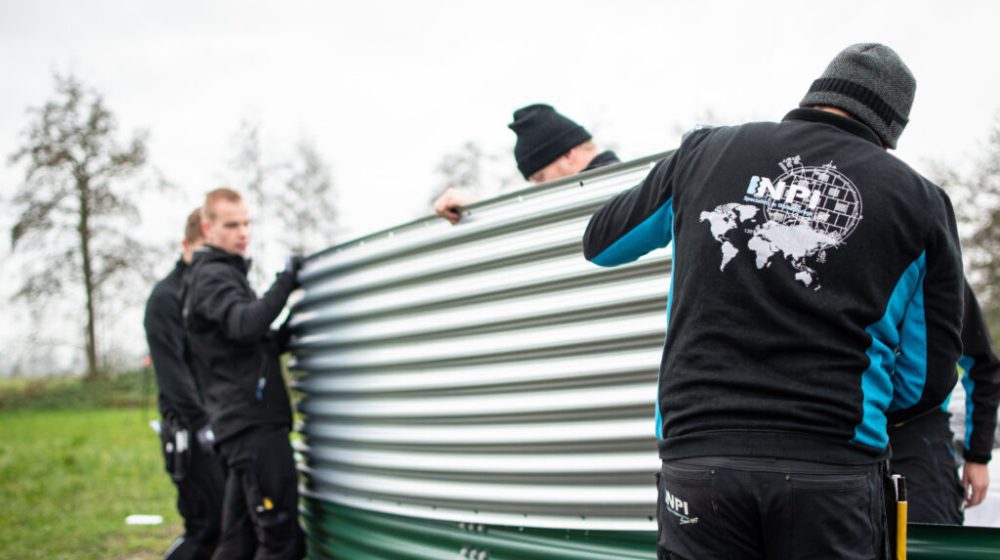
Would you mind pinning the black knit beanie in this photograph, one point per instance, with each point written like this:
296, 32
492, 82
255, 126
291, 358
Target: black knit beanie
542, 136
869, 81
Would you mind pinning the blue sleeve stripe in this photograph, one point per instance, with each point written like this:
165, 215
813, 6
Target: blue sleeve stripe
877, 382
911, 363
947, 402
965, 365
659, 415
654, 232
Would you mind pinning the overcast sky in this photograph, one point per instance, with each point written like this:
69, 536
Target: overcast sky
385, 88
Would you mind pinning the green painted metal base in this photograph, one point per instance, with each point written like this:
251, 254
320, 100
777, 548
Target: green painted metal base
950, 542
347, 533
338, 532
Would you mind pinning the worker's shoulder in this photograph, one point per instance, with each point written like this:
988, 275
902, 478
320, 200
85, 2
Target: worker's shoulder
698, 133
163, 292
214, 270
167, 289
705, 133
926, 193
206, 281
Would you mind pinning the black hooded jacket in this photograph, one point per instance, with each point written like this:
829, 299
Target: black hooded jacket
178, 389
234, 352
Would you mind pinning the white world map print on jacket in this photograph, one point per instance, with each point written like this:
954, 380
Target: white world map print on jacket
798, 216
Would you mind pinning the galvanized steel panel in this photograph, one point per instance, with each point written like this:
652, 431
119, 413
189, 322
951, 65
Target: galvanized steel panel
486, 372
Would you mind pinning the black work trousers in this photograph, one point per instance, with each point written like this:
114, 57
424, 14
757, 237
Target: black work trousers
737, 508
198, 476
923, 453
261, 507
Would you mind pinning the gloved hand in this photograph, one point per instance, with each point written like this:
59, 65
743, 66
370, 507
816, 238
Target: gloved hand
284, 335
206, 438
293, 265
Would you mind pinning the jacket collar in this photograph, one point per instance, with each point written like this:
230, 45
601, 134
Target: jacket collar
207, 253
606, 157
846, 124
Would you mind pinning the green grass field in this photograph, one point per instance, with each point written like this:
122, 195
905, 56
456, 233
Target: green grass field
73, 467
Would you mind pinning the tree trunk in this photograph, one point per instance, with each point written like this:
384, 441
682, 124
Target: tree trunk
83, 189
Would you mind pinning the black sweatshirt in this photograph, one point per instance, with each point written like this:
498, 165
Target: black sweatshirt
602, 159
816, 289
179, 392
234, 352
979, 372
980, 375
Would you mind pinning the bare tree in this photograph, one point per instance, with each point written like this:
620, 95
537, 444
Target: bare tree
249, 162
470, 167
74, 208
306, 208
977, 204
462, 169
984, 240
292, 196
253, 175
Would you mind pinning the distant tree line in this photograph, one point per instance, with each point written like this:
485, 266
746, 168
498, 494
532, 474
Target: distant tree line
977, 204
76, 211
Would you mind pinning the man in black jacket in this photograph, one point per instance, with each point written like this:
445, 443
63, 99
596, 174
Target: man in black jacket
549, 147
196, 473
236, 357
816, 295
922, 449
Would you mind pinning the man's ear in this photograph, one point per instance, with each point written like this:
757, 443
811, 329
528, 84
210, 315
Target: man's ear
204, 228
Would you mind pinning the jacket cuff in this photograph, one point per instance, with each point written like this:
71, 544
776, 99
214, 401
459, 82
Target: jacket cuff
973, 457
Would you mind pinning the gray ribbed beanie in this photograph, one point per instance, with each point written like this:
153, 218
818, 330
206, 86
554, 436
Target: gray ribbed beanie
869, 81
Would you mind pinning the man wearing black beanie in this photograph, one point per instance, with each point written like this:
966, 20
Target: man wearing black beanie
816, 297
549, 147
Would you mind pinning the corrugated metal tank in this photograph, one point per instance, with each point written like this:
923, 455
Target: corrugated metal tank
480, 390
486, 372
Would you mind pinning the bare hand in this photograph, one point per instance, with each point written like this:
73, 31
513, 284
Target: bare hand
449, 204
975, 482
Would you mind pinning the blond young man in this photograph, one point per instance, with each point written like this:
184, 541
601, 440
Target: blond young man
235, 355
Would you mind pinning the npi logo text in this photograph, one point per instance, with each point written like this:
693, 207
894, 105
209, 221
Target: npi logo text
675, 503
762, 187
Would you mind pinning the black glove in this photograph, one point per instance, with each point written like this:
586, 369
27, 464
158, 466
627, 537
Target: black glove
284, 335
293, 265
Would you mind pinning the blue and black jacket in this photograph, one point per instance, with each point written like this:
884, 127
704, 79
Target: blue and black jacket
816, 288
979, 371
